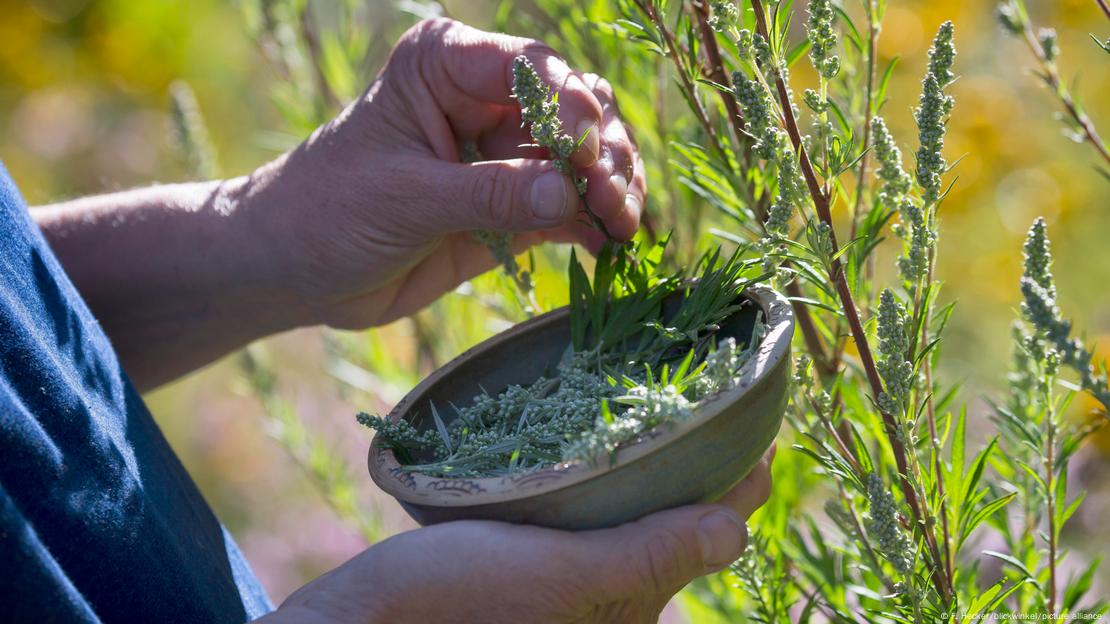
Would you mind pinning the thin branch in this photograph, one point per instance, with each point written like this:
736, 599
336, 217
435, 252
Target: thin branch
649, 9
1051, 76
718, 74
1050, 493
868, 114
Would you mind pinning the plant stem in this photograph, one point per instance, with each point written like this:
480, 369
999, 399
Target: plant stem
866, 543
649, 9
1050, 494
845, 452
718, 74
1051, 76
868, 114
840, 281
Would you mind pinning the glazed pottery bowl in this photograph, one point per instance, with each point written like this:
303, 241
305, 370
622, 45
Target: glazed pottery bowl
689, 462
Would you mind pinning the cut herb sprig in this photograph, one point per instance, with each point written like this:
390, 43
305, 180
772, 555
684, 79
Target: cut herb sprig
645, 348
539, 112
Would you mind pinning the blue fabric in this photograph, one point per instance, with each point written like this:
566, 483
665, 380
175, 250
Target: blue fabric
98, 519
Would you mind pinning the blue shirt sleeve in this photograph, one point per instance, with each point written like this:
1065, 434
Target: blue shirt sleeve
98, 519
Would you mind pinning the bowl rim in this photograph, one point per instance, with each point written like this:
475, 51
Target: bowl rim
425, 490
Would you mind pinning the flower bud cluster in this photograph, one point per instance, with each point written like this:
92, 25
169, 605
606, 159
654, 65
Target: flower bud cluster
500, 245
914, 263
400, 434
813, 100
1046, 37
753, 48
1009, 15
822, 38
896, 182
1039, 307
755, 103
772, 145
894, 345
723, 16
539, 112
791, 189
650, 407
722, 365
893, 544
802, 377
1037, 252
932, 114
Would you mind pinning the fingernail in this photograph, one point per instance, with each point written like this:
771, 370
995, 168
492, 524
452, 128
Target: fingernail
549, 197
591, 146
721, 536
619, 184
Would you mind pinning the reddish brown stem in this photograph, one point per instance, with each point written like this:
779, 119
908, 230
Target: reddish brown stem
717, 74
844, 292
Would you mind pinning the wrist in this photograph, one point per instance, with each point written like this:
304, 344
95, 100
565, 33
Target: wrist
264, 236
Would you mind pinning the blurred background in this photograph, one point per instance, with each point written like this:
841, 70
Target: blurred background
85, 107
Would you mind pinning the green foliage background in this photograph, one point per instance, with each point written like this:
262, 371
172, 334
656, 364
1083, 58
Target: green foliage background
84, 103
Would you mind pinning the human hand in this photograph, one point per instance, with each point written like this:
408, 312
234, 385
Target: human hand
371, 218
475, 571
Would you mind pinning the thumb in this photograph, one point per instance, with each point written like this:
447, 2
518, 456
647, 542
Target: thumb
660, 553
515, 195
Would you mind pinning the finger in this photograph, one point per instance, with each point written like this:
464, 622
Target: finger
578, 231
507, 139
505, 195
479, 65
754, 490
615, 189
658, 554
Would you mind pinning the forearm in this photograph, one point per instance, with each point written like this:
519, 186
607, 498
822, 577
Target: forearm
177, 275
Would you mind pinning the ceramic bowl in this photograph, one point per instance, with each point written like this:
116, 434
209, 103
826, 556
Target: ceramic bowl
694, 461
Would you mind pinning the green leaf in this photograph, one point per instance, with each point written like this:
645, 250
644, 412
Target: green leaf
987, 511
441, 428
880, 93
1013, 561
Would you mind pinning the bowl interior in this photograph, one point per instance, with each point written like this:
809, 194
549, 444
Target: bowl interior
532, 353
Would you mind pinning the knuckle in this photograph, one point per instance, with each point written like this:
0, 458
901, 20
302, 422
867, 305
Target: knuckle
423, 46
603, 88
491, 195
535, 49
427, 31
661, 566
